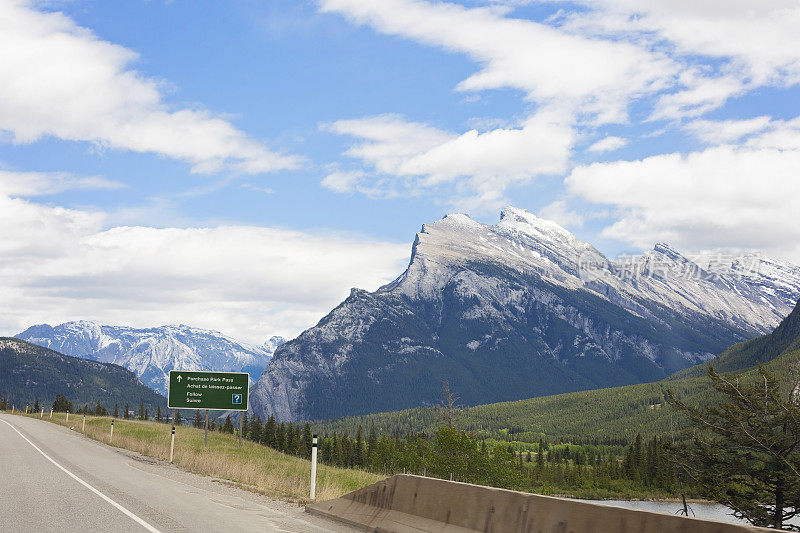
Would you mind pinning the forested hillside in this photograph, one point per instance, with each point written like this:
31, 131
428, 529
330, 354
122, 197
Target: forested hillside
29, 373
613, 415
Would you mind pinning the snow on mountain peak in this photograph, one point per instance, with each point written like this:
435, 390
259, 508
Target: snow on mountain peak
152, 352
524, 220
749, 291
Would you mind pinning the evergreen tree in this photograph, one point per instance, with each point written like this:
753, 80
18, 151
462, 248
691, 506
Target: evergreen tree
288, 439
127, 411
336, 450
308, 438
116, 410
228, 426
61, 404
146, 414
141, 409
358, 449
372, 443
256, 429
197, 419
158, 413
36, 406
270, 433
746, 448
245, 423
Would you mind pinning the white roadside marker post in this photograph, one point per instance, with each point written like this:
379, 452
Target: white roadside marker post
67, 415
42, 415
112, 431
172, 444
26, 409
314, 467
51, 413
12, 409
83, 427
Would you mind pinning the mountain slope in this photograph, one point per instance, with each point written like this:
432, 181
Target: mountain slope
152, 352
784, 339
606, 415
29, 372
513, 310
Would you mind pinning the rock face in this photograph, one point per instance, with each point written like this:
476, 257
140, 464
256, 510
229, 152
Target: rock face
519, 309
152, 352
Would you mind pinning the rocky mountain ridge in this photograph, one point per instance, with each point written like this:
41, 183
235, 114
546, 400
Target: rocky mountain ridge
519, 309
152, 352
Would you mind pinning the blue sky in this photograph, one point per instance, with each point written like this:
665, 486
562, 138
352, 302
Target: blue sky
241, 165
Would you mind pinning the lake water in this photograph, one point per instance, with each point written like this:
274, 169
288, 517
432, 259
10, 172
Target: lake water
707, 511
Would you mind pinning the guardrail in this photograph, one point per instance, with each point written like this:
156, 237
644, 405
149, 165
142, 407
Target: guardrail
406, 503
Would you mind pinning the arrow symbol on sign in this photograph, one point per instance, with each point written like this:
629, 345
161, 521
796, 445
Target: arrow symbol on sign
179, 378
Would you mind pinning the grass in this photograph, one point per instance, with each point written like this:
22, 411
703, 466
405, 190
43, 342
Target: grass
257, 468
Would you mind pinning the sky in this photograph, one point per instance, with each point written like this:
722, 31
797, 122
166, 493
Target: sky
239, 166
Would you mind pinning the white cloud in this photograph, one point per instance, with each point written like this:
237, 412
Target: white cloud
678, 59
755, 133
726, 131
607, 144
60, 80
252, 282
343, 181
572, 79
597, 76
762, 37
410, 158
724, 196
753, 44
560, 212
702, 93
41, 183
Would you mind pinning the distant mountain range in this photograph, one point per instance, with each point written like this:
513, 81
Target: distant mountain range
520, 309
152, 352
29, 372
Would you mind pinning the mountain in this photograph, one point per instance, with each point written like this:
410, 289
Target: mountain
519, 309
29, 372
152, 352
783, 340
613, 415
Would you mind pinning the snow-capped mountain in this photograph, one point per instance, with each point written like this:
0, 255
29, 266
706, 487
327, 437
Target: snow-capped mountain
519, 309
152, 352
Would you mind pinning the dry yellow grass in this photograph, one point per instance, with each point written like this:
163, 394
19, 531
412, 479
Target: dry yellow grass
256, 467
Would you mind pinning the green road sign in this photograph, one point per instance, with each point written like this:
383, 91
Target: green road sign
224, 391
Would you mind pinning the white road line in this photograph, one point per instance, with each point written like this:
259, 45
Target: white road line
138, 520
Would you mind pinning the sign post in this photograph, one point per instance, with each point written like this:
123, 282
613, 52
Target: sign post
313, 467
172, 444
215, 391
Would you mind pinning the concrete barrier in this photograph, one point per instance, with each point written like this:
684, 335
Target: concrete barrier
406, 503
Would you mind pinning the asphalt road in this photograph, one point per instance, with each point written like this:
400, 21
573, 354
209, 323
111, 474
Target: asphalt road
54, 479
